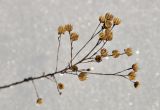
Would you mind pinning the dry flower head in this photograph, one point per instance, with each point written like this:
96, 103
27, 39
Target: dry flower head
108, 24
82, 76
98, 58
132, 75
109, 16
136, 84
135, 67
68, 27
61, 30
116, 21
74, 68
104, 52
60, 85
128, 51
39, 101
102, 19
74, 36
115, 53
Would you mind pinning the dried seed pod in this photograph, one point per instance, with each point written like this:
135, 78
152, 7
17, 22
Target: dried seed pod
60, 85
102, 36
82, 76
109, 36
116, 21
74, 36
136, 84
128, 51
39, 101
98, 58
74, 68
132, 75
68, 27
109, 16
135, 67
102, 19
115, 53
108, 24
104, 52
61, 30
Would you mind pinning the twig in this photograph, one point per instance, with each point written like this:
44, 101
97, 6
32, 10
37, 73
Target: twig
30, 79
93, 35
35, 89
59, 44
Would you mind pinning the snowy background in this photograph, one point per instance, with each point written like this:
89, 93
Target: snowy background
28, 42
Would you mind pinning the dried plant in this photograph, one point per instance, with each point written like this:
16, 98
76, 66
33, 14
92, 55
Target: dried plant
103, 33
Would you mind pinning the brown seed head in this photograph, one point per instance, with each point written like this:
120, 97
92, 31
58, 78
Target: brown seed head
116, 21
108, 24
136, 84
102, 36
132, 75
128, 51
60, 85
104, 52
61, 30
68, 27
102, 19
82, 76
39, 101
74, 36
135, 67
109, 16
115, 53
74, 68
109, 35
98, 58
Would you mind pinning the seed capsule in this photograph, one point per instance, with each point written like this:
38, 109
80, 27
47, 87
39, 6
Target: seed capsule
128, 51
74, 68
102, 19
135, 67
116, 21
39, 101
61, 30
98, 58
60, 86
115, 53
104, 52
82, 76
68, 27
132, 75
74, 36
136, 84
108, 16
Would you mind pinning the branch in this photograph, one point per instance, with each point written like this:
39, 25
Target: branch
30, 79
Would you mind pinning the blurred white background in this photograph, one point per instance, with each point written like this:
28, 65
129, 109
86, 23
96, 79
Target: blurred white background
28, 44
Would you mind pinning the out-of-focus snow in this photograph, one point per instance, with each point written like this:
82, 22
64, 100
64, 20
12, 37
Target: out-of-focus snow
28, 44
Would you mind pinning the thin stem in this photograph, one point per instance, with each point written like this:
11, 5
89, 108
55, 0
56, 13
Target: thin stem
54, 79
57, 85
98, 42
93, 35
122, 71
35, 89
98, 50
117, 73
71, 42
59, 44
